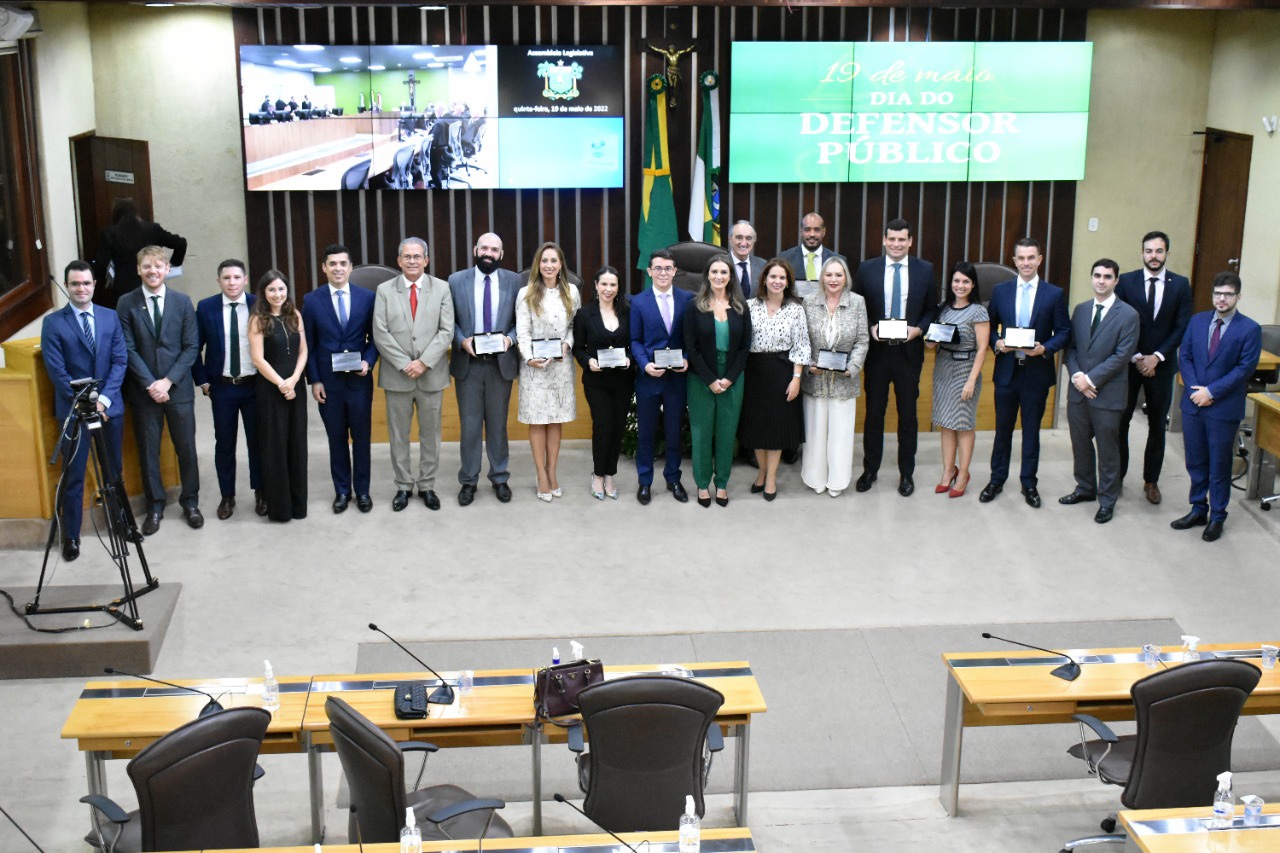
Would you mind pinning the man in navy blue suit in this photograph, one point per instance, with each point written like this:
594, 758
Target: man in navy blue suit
1163, 301
339, 322
1218, 355
226, 375
656, 318
83, 341
1023, 376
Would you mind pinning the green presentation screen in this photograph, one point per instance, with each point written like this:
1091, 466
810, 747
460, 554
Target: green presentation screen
923, 111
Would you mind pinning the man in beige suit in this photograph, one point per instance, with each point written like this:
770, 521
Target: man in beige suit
412, 328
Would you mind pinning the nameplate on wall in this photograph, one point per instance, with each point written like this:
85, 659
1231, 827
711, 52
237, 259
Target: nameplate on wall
114, 177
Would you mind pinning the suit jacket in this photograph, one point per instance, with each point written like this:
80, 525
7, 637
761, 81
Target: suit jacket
700, 336
1104, 355
795, 257
401, 337
1226, 375
67, 356
922, 299
325, 336
590, 335
649, 333
119, 251
755, 267
172, 355
1048, 317
1161, 332
462, 286
212, 332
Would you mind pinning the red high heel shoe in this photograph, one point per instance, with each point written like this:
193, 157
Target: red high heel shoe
959, 493
951, 481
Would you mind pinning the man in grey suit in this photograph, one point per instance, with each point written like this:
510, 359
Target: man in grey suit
747, 267
806, 260
412, 328
161, 337
484, 302
1104, 337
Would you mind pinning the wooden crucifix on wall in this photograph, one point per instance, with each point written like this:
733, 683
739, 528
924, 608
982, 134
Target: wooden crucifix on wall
671, 50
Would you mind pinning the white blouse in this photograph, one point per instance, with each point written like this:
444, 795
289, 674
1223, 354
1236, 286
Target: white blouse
784, 331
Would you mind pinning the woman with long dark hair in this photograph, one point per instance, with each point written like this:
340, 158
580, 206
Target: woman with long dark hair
604, 325
118, 250
278, 347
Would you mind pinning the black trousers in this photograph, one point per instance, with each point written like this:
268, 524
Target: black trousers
1158, 392
609, 404
891, 366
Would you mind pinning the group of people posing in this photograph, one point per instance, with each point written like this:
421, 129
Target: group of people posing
759, 370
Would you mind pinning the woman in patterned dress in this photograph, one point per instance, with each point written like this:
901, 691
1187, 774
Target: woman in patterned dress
957, 376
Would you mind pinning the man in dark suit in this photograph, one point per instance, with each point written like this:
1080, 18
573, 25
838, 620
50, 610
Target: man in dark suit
226, 375
895, 287
657, 317
163, 342
339, 321
1023, 376
1219, 353
1104, 337
1163, 301
806, 260
78, 342
747, 267
484, 302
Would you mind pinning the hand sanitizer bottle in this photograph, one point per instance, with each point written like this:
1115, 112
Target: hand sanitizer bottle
270, 689
410, 836
1224, 802
1190, 648
576, 648
690, 828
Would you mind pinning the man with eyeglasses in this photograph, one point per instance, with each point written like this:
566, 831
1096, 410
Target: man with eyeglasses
657, 315
1218, 355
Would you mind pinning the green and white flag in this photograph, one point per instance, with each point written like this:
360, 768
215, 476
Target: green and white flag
704, 190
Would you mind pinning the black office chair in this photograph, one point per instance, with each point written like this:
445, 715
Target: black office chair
690, 258
989, 275
369, 276
357, 177
1186, 719
374, 766
194, 788
400, 177
1265, 378
472, 141
651, 742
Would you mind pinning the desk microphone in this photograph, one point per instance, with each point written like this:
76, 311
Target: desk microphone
442, 695
212, 707
1067, 672
559, 798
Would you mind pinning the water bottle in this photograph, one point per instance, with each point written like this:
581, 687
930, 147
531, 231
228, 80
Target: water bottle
466, 681
690, 828
270, 689
1190, 648
1224, 802
410, 836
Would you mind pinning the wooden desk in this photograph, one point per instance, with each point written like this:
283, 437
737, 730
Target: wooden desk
996, 688
499, 712
734, 840
1186, 831
1266, 441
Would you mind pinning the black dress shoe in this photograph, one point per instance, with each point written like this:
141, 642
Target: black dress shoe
771, 495
1104, 514
644, 494
1212, 531
503, 491
1032, 497
364, 503
260, 503
429, 498
195, 519
70, 549
1190, 520
704, 501
989, 492
722, 501
1076, 498
466, 494
757, 488
400, 501
906, 486
226, 509
677, 491
152, 523
865, 481
340, 503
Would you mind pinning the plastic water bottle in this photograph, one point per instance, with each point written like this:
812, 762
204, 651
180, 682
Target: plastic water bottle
1190, 648
410, 836
270, 689
1224, 802
690, 828
466, 681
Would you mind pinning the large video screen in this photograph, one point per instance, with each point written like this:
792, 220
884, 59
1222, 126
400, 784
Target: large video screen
923, 111
331, 117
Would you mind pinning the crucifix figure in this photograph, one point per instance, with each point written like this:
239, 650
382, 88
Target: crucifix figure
412, 83
672, 71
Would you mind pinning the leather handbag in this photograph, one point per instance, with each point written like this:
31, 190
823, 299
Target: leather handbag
556, 688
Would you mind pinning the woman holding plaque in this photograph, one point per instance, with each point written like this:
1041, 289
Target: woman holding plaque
601, 344
961, 342
837, 322
772, 418
717, 337
278, 348
544, 334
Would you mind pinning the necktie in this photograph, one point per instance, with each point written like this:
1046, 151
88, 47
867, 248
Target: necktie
156, 316
233, 343
413, 300
664, 304
897, 292
342, 309
745, 280
88, 331
1217, 337
810, 270
1097, 317
1151, 295
487, 308
1024, 305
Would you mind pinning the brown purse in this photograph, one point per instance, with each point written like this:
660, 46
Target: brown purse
556, 688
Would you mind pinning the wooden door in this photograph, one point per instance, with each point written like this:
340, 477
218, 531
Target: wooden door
1224, 188
107, 169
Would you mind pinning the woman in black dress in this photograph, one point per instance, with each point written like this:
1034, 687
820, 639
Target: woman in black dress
118, 250
601, 325
279, 349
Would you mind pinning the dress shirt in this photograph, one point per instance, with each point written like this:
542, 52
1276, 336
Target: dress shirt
478, 291
1106, 309
1031, 287
1160, 281
666, 308
901, 310
333, 297
739, 271
1226, 321
93, 324
242, 325
149, 302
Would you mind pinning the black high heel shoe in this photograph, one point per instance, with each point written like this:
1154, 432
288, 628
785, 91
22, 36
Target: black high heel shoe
757, 488
704, 501
723, 501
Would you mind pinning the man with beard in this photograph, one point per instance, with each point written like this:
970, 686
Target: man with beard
806, 260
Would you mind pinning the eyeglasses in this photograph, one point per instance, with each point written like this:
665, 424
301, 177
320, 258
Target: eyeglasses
662, 270
1225, 294
412, 257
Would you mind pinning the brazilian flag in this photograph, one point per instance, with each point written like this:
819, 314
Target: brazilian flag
657, 206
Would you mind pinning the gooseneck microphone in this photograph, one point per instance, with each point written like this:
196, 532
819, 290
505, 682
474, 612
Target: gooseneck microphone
559, 798
1067, 672
442, 695
212, 707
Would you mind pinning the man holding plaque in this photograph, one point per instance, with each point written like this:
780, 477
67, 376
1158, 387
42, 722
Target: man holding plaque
484, 364
340, 356
901, 296
807, 259
747, 267
1029, 323
1104, 337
